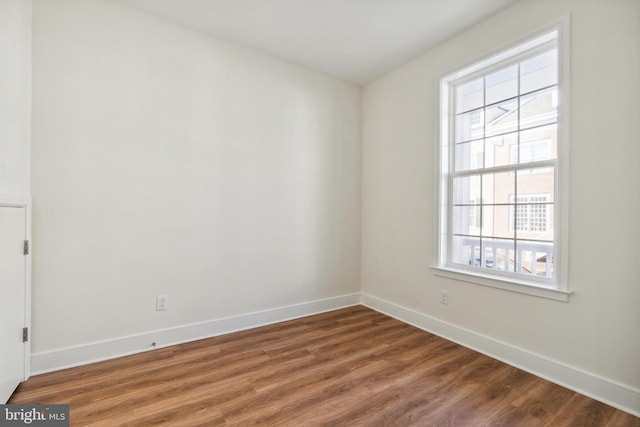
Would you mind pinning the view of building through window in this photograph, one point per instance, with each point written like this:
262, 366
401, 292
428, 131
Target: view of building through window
503, 146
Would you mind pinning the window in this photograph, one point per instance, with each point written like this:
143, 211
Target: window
501, 169
531, 213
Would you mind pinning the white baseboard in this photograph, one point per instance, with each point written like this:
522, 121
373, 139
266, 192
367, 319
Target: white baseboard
54, 360
604, 390
607, 391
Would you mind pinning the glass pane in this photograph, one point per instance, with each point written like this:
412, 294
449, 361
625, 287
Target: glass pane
465, 250
543, 265
497, 187
534, 258
498, 254
469, 155
538, 183
498, 150
539, 108
469, 126
469, 96
502, 84
466, 190
466, 220
539, 71
497, 221
534, 220
502, 117
537, 145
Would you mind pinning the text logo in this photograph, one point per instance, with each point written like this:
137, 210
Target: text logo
34, 415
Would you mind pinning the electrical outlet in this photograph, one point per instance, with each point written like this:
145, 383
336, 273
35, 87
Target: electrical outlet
444, 297
162, 302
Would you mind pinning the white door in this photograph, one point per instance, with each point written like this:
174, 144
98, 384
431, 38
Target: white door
12, 298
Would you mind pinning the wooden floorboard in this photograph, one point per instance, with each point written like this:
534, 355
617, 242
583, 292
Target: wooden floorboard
350, 367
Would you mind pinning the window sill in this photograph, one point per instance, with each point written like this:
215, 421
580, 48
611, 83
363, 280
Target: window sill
509, 285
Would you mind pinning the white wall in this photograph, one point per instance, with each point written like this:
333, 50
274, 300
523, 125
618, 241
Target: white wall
597, 331
169, 162
15, 96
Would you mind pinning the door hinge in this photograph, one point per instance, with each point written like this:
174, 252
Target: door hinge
25, 334
25, 248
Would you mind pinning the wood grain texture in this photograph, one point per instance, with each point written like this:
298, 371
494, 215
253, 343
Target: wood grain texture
350, 367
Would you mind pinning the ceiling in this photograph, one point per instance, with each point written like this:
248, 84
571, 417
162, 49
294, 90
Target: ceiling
355, 40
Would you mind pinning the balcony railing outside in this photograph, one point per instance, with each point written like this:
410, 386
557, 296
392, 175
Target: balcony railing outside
535, 258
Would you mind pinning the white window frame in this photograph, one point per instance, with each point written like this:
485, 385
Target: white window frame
557, 287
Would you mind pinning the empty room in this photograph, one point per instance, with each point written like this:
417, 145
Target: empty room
320, 212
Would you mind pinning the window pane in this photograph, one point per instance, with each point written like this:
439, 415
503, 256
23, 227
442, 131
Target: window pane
469, 96
539, 108
502, 117
543, 265
539, 71
537, 145
466, 190
534, 220
534, 258
466, 220
469, 155
464, 250
498, 254
521, 219
540, 221
536, 182
531, 151
496, 187
496, 221
502, 84
469, 126
498, 150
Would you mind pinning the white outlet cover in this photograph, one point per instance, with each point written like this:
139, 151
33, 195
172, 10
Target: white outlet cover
444, 296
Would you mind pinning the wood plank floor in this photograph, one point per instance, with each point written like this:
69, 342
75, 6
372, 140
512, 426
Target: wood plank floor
350, 367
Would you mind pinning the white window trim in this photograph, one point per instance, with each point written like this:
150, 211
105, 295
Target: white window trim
560, 289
